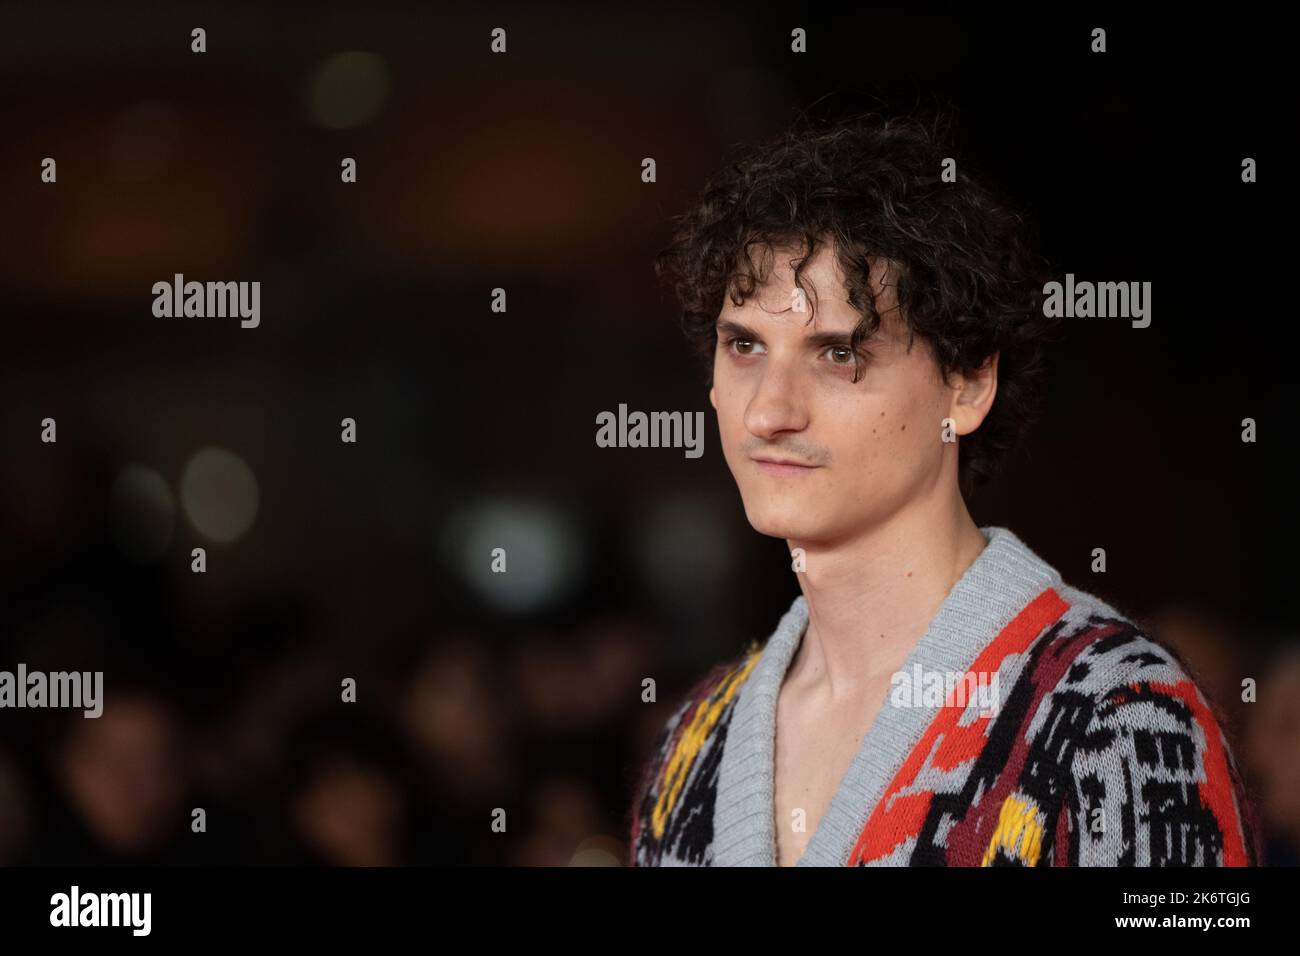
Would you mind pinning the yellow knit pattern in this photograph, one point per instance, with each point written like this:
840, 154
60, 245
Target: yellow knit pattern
1019, 832
692, 739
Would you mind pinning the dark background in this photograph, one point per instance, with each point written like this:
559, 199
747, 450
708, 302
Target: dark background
476, 429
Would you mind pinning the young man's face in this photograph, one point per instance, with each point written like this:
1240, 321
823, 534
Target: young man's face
784, 391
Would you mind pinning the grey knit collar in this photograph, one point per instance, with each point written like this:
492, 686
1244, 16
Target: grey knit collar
994, 589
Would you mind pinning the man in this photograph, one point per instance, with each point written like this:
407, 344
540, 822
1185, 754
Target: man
936, 695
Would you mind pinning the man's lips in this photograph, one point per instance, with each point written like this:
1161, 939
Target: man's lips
783, 466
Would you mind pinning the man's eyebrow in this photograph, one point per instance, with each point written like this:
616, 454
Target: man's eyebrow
818, 339
735, 329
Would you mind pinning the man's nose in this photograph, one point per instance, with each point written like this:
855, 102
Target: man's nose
776, 405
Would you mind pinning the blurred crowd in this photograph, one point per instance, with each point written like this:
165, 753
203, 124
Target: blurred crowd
542, 737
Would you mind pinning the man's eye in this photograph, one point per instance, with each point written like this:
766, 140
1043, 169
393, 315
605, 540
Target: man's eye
840, 354
742, 346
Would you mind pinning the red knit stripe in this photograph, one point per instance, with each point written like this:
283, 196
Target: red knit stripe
1217, 792
895, 818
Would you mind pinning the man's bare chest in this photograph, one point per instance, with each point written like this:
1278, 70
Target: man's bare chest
814, 750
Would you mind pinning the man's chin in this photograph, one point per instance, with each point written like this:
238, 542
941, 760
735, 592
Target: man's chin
784, 526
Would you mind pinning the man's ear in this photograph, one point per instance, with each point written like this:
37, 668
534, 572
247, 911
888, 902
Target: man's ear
973, 396
713, 398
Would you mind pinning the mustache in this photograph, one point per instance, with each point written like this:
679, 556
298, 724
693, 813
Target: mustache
805, 454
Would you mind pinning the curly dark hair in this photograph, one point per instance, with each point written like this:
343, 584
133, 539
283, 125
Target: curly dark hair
873, 186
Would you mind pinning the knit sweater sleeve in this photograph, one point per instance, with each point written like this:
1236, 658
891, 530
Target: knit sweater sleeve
1154, 779
646, 790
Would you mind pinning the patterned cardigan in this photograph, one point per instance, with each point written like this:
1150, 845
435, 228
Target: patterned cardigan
1094, 748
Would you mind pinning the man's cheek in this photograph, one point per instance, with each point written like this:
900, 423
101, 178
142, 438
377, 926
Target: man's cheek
729, 440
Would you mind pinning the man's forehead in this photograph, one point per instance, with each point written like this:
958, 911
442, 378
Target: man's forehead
814, 317
775, 286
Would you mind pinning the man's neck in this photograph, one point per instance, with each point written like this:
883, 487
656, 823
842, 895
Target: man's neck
870, 599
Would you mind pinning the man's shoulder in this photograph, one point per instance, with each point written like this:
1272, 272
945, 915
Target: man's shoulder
701, 708
1106, 655
716, 686
1147, 740
1109, 650
672, 798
